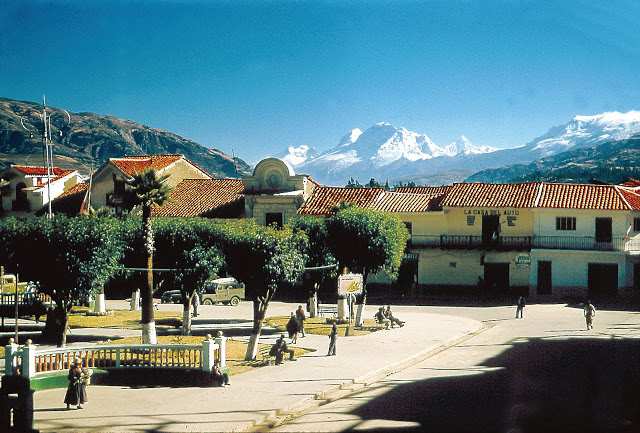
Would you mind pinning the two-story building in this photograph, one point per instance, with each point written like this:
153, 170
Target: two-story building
585, 240
110, 182
26, 189
482, 238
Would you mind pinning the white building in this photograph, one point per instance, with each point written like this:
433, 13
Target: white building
25, 188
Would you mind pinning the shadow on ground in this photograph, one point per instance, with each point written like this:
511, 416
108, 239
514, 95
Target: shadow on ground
541, 385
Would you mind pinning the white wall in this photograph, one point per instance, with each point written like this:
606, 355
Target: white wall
545, 222
570, 269
436, 266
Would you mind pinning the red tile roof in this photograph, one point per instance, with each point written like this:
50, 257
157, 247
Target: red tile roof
581, 196
132, 165
514, 195
70, 202
204, 197
404, 202
32, 170
631, 197
431, 190
325, 198
633, 183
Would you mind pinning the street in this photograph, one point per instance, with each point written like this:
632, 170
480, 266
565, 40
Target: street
540, 373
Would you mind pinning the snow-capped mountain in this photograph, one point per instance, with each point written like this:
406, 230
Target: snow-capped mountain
580, 142
297, 155
396, 154
464, 146
368, 152
587, 130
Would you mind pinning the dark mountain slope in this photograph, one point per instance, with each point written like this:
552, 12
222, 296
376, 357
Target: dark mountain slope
95, 138
612, 162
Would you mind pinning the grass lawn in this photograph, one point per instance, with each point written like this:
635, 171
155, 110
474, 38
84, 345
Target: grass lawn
320, 326
235, 350
120, 319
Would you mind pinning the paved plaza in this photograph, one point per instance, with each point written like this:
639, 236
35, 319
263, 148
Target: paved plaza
448, 370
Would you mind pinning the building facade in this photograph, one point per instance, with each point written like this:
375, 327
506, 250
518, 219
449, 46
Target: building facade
26, 189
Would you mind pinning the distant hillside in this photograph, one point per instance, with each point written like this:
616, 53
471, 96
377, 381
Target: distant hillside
95, 138
612, 162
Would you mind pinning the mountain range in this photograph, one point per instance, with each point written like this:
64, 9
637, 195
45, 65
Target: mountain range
90, 139
394, 154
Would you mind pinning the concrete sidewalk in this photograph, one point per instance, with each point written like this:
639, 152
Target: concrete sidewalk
261, 394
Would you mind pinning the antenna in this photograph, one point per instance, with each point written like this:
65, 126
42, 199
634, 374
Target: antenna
235, 166
47, 148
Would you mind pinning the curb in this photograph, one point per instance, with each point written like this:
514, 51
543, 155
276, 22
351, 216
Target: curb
335, 392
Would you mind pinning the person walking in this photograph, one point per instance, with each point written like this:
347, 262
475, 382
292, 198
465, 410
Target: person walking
520, 307
301, 317
77, 390
333, 336
589, 313
293, 328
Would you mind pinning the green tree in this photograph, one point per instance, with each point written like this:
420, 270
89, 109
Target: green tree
183, 244
149, 190
317, 254
263, 258
70, 258
367, 241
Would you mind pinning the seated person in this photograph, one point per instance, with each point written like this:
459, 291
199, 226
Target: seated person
220, 376
381, 319
280, 348
394, 320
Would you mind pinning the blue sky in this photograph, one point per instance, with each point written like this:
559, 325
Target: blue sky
256, 77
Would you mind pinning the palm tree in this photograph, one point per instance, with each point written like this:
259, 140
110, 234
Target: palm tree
148, 190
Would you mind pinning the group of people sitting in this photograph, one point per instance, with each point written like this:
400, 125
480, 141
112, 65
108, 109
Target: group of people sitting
385, 317
295, 324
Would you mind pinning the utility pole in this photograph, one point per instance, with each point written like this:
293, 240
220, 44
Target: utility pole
46, 139
16, 303
47, 146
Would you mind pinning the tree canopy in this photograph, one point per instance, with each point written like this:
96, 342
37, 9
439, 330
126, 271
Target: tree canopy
367, 240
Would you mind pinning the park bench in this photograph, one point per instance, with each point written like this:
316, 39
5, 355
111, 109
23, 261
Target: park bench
265, 355
328, 309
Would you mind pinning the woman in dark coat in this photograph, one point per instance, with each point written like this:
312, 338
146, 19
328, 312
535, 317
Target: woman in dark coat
76, 391
292, 328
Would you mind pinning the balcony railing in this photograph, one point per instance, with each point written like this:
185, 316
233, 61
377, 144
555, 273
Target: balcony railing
580, 243
472, 242
587, 243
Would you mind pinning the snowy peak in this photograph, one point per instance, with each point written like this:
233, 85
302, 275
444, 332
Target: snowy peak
379, 147
350, 137
611, 118
464, 146
297, 155
588, 130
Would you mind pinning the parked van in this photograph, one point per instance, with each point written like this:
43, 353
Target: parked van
226, 290
8, 284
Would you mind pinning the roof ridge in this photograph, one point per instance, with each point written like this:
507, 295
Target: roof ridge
624, 199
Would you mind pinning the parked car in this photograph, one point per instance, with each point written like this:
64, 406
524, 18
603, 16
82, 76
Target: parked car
226, 290
171, 297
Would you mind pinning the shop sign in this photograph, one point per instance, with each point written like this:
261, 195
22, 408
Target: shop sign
350, 284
